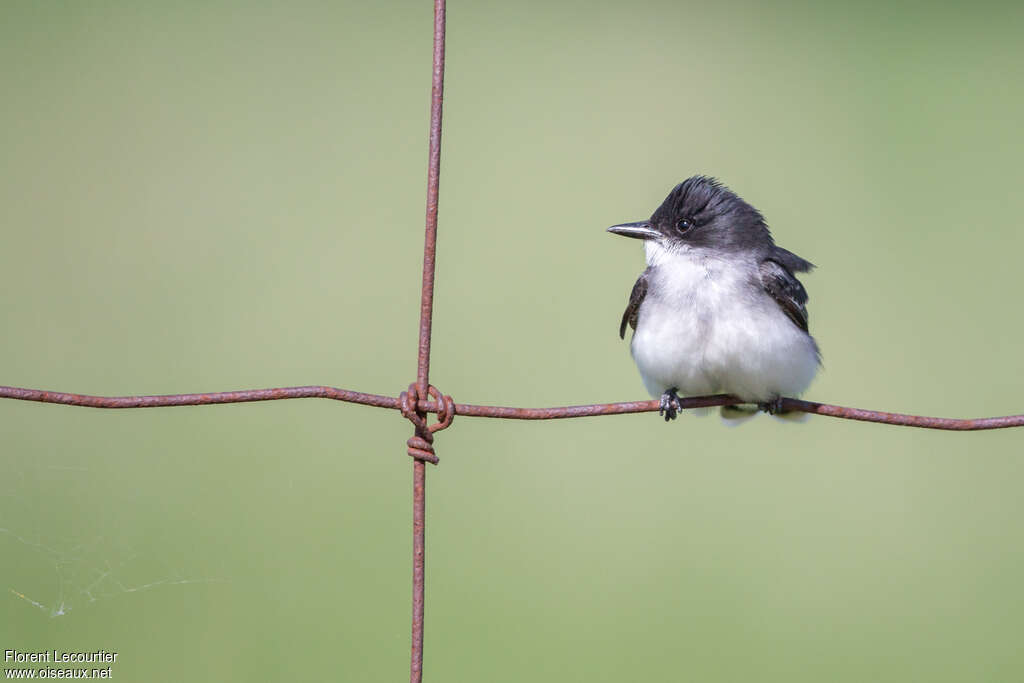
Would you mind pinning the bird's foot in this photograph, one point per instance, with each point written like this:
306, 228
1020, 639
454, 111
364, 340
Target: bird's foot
772, 407
670, 405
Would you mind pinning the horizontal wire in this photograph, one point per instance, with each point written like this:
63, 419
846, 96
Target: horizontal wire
165, 400
470, 410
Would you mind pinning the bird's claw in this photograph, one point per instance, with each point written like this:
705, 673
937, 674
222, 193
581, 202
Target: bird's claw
772, 407
670, 405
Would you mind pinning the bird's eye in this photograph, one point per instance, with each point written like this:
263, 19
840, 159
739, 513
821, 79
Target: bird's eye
683, 225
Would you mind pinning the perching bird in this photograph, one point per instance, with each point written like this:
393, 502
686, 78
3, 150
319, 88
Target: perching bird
718, 308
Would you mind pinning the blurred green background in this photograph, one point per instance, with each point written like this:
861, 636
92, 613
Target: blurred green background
209, 197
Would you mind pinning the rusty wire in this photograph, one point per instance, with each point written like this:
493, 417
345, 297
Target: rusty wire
504, 412
422, 399
420, 446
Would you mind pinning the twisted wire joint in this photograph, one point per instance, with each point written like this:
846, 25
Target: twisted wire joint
421, 445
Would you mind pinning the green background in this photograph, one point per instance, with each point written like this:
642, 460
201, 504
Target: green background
204, 198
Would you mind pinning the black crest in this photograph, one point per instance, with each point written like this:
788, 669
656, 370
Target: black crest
701, 211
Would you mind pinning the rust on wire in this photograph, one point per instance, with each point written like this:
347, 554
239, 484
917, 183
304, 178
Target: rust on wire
419, 542
165, 400
505, 412
841, 412
420, 446
589, 410
903, 420
433, 185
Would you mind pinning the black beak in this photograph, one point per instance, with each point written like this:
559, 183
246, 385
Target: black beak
640, 230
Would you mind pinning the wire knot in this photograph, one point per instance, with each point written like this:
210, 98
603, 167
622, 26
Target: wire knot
420, 446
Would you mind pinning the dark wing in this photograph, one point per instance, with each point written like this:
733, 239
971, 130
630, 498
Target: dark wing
786, 290
790, 261
632, 312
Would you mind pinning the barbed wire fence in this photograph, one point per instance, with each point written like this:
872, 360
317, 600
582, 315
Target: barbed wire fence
422, 398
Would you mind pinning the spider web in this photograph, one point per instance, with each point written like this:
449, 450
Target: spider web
57, 574
80, 579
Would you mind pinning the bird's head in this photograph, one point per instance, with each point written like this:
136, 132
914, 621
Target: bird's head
701, 213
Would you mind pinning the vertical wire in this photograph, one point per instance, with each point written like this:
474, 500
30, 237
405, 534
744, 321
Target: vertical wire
423, 359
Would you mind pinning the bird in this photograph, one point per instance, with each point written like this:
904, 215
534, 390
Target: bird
719, 308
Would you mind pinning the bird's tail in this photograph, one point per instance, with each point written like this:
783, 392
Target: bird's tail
738, 414
792, 416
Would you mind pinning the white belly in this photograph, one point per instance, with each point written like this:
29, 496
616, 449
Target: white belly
704, 329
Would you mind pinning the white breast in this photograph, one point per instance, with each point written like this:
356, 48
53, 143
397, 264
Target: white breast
706, 326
